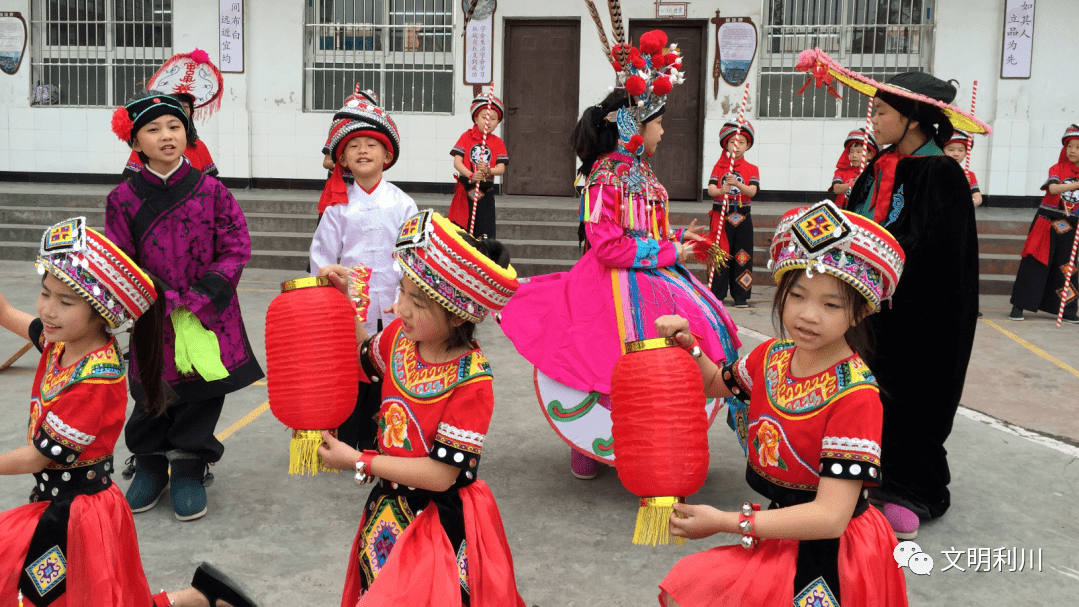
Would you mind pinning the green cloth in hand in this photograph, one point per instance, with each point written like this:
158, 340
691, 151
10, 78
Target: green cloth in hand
197, 348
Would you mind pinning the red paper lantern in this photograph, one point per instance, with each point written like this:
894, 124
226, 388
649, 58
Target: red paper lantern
660, 431
312, 370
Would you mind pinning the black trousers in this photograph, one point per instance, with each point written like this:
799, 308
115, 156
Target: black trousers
738, 275
185, 426
485, 214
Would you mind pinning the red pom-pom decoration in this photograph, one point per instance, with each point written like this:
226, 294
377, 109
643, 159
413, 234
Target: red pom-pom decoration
638, 62
660, 431
122, 125
635, 143
200, 56
662, 86
658, 61
312, 372
635, 85
617, 66
653, 42
670, 58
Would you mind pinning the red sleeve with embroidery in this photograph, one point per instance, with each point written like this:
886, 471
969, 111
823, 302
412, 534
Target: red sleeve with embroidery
717, 172
83, 422
751, 174
463, 143
498, 150
850, 447
463, 426
739, 375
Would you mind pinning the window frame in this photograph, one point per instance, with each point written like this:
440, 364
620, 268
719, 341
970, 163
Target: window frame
384, 57
775, 102
108, 56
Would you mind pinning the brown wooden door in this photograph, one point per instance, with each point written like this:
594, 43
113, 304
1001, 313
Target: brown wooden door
542, 70
678, 161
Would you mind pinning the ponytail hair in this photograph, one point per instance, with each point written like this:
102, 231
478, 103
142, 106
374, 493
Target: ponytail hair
147, 341
594, 135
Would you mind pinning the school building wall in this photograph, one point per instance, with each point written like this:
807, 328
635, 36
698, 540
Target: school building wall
262, 131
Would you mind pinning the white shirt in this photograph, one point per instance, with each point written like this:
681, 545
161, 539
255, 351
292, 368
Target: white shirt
363, 232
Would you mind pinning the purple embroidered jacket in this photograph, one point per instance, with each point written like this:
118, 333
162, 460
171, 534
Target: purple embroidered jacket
191, 234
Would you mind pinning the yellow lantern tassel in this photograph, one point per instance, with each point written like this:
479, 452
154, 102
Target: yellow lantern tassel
303, 457
654, 521
655, 226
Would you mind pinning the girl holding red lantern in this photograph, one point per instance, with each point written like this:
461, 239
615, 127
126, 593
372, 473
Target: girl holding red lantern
812, 434
430, 529
75, 542
573, 326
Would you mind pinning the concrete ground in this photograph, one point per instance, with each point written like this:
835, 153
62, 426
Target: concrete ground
288, 538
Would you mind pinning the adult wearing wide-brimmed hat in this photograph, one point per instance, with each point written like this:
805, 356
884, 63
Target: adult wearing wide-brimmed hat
924, 339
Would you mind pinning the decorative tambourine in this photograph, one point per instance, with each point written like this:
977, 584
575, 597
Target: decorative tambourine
194, 75
312, 369
660, 431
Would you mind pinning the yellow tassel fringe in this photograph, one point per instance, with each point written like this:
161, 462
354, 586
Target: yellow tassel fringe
303, 457
654, 520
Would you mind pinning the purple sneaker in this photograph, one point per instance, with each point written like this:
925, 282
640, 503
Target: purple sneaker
582, 466
903, 521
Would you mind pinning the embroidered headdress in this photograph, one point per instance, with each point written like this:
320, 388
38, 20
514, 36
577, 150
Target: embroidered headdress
1072, 132
366, 96
481, 102
916, 86
147, 107
963, 137
194, 76
730, 128
827, 240
97, 270
646, 72
433, 254
356, 119
862, 137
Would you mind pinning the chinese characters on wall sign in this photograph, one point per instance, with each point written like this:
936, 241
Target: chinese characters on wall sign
1018, 39
232, 36
479, 54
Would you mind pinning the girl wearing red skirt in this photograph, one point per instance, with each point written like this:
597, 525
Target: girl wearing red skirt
812, 433
430, 533
75, 542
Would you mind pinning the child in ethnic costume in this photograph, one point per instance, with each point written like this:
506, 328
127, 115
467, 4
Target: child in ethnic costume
430, 532
1039, 283
741, 180
958, 147
478, 160
196, 82
573, 325
812, 437
922, 197
849, 166
75, 543
367, 97
360, 220
185, 228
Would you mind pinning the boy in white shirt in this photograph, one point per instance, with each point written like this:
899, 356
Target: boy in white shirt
360, 222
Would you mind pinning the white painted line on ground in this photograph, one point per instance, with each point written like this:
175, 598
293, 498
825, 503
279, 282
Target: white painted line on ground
1010, 428
1066, 571
1003, 426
